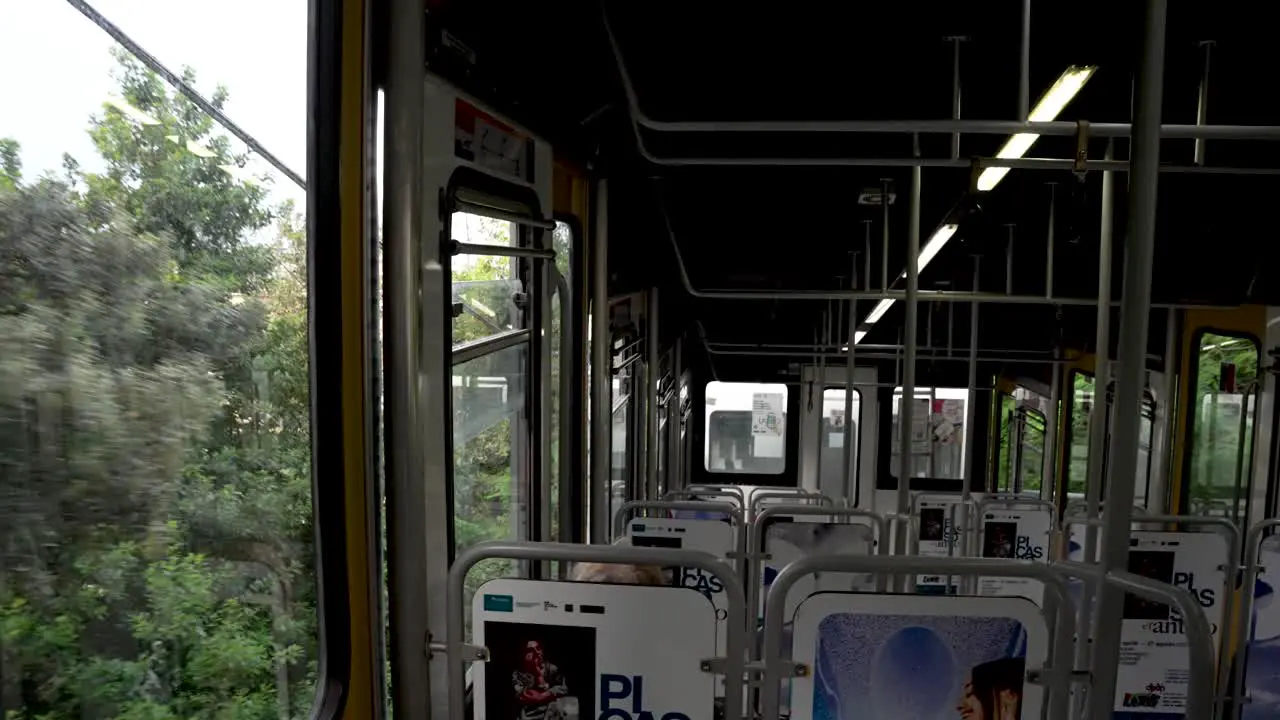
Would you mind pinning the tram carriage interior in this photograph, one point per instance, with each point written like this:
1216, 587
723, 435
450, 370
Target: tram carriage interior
687, 362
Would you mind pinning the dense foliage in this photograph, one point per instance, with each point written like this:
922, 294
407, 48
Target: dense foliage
154, 430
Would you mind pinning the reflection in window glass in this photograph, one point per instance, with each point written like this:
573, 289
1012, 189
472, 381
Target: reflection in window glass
488, 412
831, 444
937, 433
157, 549
746, 428
484, 287
562, 243
1022, 441
1078, 449
621, 455
1222, 438
481, 230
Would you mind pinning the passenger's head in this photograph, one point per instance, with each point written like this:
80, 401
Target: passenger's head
993, 691
618, 574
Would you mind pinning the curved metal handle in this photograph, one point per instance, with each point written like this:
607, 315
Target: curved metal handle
1062, 625
735, 642
620, 517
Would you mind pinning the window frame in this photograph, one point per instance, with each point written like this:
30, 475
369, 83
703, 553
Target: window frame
856, 434
1191, 411
768, 478
527, 457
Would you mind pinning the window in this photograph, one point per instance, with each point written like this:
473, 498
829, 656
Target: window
488, 412
1078, 441
1221, 444
155, 434
620, 468
562, 243
485, 287
831, 480
746, 428
1022, 441
937, 433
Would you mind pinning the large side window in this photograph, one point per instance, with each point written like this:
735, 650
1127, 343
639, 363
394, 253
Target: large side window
746, 428
157, 544
1221, 443
937, 433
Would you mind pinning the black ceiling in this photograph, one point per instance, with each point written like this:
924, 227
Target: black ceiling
551, 66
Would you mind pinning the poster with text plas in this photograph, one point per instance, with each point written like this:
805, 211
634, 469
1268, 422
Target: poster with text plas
581, 651
1152, 680
938, 537
787, 540
710, 536
1017, 534
900, 657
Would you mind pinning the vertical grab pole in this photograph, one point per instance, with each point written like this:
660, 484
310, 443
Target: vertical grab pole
971, 417
601, 371
415, 371
909, 362
1049, 463
1024, 65
884, 227
1008, 262
850, 491
1048, 264
1202, 106
1134, 317
652, 379
955, 92
1098, 410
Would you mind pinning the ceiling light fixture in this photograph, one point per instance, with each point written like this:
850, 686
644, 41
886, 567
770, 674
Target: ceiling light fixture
1063, 91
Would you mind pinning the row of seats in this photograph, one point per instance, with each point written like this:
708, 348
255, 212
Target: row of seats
635, 646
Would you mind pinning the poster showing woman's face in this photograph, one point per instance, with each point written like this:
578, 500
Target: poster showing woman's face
924, 667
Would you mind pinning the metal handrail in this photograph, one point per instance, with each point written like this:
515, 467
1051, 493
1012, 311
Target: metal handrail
1058, 673
1200, 694
735, 642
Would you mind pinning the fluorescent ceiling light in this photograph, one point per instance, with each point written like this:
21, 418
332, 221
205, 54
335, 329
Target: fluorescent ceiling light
879, 311
857, 338
1063, 91
931, 248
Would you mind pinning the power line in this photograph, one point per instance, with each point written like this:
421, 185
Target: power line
150, 61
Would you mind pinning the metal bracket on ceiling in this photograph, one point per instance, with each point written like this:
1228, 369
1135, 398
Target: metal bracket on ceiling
1080, 164
975, 171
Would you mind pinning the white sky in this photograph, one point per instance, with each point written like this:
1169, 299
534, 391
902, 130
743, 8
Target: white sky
55, 72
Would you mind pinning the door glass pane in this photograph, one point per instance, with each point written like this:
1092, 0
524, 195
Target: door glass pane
746, 428
1082, 387
937, 433
620, 455
488, 423
1222, 437
831, 447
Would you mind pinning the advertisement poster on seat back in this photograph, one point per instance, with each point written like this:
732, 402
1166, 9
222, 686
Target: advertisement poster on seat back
786, 541
583, 651
1262, 666
938, 537
887, 657
1151, 683
1015, 535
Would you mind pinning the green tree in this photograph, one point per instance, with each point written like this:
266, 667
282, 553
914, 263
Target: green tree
156, 556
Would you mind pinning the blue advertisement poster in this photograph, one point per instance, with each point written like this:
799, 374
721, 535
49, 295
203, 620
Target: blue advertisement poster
1262, 667
883, 657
